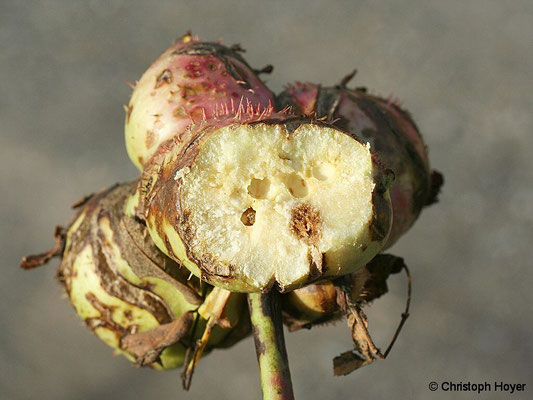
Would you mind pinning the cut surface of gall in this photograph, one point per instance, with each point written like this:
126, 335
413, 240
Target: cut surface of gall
262, 204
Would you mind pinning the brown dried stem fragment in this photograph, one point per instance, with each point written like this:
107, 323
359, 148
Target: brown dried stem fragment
436, 182
33, 261
267, 69
367, 351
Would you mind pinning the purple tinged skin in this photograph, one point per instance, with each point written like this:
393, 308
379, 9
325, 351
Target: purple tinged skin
191, 81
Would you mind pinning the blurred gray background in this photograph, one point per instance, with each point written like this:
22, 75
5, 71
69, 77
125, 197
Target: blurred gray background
463, 68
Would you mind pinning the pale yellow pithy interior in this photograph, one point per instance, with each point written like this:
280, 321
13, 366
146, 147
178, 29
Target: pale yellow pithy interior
247, 180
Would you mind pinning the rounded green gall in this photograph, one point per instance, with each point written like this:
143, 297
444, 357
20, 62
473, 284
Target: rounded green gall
325, 301
133, 297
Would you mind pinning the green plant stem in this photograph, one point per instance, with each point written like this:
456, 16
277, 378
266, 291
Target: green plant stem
265, 313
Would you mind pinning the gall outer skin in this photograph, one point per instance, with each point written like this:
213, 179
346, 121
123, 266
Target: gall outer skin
120, 284
190, 82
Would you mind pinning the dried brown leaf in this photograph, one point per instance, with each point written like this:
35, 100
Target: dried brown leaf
147, 346
348, 362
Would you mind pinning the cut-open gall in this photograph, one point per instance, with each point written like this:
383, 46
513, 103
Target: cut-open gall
277, 203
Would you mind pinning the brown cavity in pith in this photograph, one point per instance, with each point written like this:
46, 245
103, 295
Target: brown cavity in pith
306, 223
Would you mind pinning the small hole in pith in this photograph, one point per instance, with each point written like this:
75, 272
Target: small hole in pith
323, 172
296, 185
248, 217
259, 188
